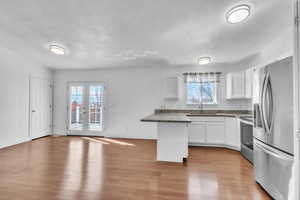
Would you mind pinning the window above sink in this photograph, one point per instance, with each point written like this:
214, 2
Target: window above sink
201, 88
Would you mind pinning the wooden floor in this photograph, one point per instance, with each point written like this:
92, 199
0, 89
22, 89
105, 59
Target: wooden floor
83, 168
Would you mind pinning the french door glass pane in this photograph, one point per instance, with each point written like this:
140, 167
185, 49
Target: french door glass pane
95, 107
76, 108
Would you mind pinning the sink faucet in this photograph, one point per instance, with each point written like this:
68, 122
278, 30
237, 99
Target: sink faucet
200, 105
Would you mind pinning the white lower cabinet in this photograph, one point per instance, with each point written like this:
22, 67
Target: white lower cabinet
197, 132
206, 130
215, 131
232, 132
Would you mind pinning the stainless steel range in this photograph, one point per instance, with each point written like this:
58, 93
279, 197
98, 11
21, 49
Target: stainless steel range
246, 126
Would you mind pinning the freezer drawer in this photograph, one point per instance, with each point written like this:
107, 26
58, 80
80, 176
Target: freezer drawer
273, 170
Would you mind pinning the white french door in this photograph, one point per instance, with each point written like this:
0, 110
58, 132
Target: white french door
40, 107
85, 108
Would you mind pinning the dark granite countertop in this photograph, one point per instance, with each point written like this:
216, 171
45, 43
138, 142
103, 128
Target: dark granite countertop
220, 115
184, 116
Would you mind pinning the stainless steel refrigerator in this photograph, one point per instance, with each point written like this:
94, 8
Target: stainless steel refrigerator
273, 127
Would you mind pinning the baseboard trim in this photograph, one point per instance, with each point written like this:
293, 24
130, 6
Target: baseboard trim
2, 146
215, 145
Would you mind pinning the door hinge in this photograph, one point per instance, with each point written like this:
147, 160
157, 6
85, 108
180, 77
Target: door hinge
297, 13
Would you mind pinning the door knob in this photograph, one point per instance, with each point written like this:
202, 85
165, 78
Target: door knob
33, 111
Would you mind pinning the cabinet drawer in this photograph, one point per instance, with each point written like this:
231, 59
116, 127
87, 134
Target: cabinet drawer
206, 119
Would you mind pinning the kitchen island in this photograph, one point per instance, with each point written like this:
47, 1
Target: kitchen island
178, 129
172, 136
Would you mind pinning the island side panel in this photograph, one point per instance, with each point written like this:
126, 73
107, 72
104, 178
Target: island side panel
172, 141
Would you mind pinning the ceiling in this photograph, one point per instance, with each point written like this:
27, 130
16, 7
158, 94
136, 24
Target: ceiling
108, 33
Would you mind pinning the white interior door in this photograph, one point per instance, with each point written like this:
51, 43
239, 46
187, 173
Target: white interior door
40, 107
296, 73
85, 108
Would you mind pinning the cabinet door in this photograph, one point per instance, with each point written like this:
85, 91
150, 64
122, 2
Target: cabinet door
215, 133
232, 133
238, 84
249, 83
235, 85
197, 132
229, 86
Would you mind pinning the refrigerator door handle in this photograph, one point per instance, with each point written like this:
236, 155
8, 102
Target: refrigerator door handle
273, 152
267, 104
262, 104
270, 119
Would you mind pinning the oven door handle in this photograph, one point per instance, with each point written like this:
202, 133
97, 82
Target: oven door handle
246, 122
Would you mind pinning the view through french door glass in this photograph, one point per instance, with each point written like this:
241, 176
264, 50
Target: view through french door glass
85, 109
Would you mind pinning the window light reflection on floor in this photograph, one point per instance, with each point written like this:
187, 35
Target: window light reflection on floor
115, 141
94, 140
107, 141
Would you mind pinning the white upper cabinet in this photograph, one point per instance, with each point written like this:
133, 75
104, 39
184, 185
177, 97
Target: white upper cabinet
239, 84
249, 83
171, 88
235, 85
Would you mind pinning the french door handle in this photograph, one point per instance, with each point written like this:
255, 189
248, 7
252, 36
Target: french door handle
298, 134
262, 104
33, 111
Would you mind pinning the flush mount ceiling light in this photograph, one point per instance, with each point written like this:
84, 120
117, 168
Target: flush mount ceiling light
57, 49
238, 14
204, 60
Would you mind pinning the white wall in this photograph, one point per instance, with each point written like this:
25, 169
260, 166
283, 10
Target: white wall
133, 93
14, 101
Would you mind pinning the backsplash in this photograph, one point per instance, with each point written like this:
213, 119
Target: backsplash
195, 111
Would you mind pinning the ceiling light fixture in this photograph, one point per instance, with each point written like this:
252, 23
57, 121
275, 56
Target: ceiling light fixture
238, 14
204, 60
57, 49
